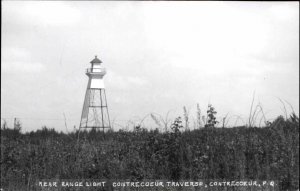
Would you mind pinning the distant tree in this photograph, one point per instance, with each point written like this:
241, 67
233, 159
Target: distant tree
17, 125
4, 125
177, 125
211, 116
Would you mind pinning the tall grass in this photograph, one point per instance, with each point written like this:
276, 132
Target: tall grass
269, 153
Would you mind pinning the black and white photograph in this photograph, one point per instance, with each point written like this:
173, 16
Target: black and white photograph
149, 96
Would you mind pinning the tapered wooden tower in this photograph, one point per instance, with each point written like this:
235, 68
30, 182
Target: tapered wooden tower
95, 110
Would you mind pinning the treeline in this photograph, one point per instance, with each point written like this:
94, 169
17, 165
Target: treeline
240, 153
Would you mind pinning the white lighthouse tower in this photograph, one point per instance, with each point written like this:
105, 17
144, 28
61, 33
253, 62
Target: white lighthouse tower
95, 110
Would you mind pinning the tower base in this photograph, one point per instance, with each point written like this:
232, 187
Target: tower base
95, 111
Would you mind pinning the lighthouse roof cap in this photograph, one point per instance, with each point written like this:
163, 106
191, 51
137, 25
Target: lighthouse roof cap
96, 60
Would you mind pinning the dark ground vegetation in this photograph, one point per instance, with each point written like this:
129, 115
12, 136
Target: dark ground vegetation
268, 153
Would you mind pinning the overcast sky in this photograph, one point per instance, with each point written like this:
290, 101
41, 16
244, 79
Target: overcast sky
159, 56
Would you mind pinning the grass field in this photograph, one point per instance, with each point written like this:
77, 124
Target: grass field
240, 153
